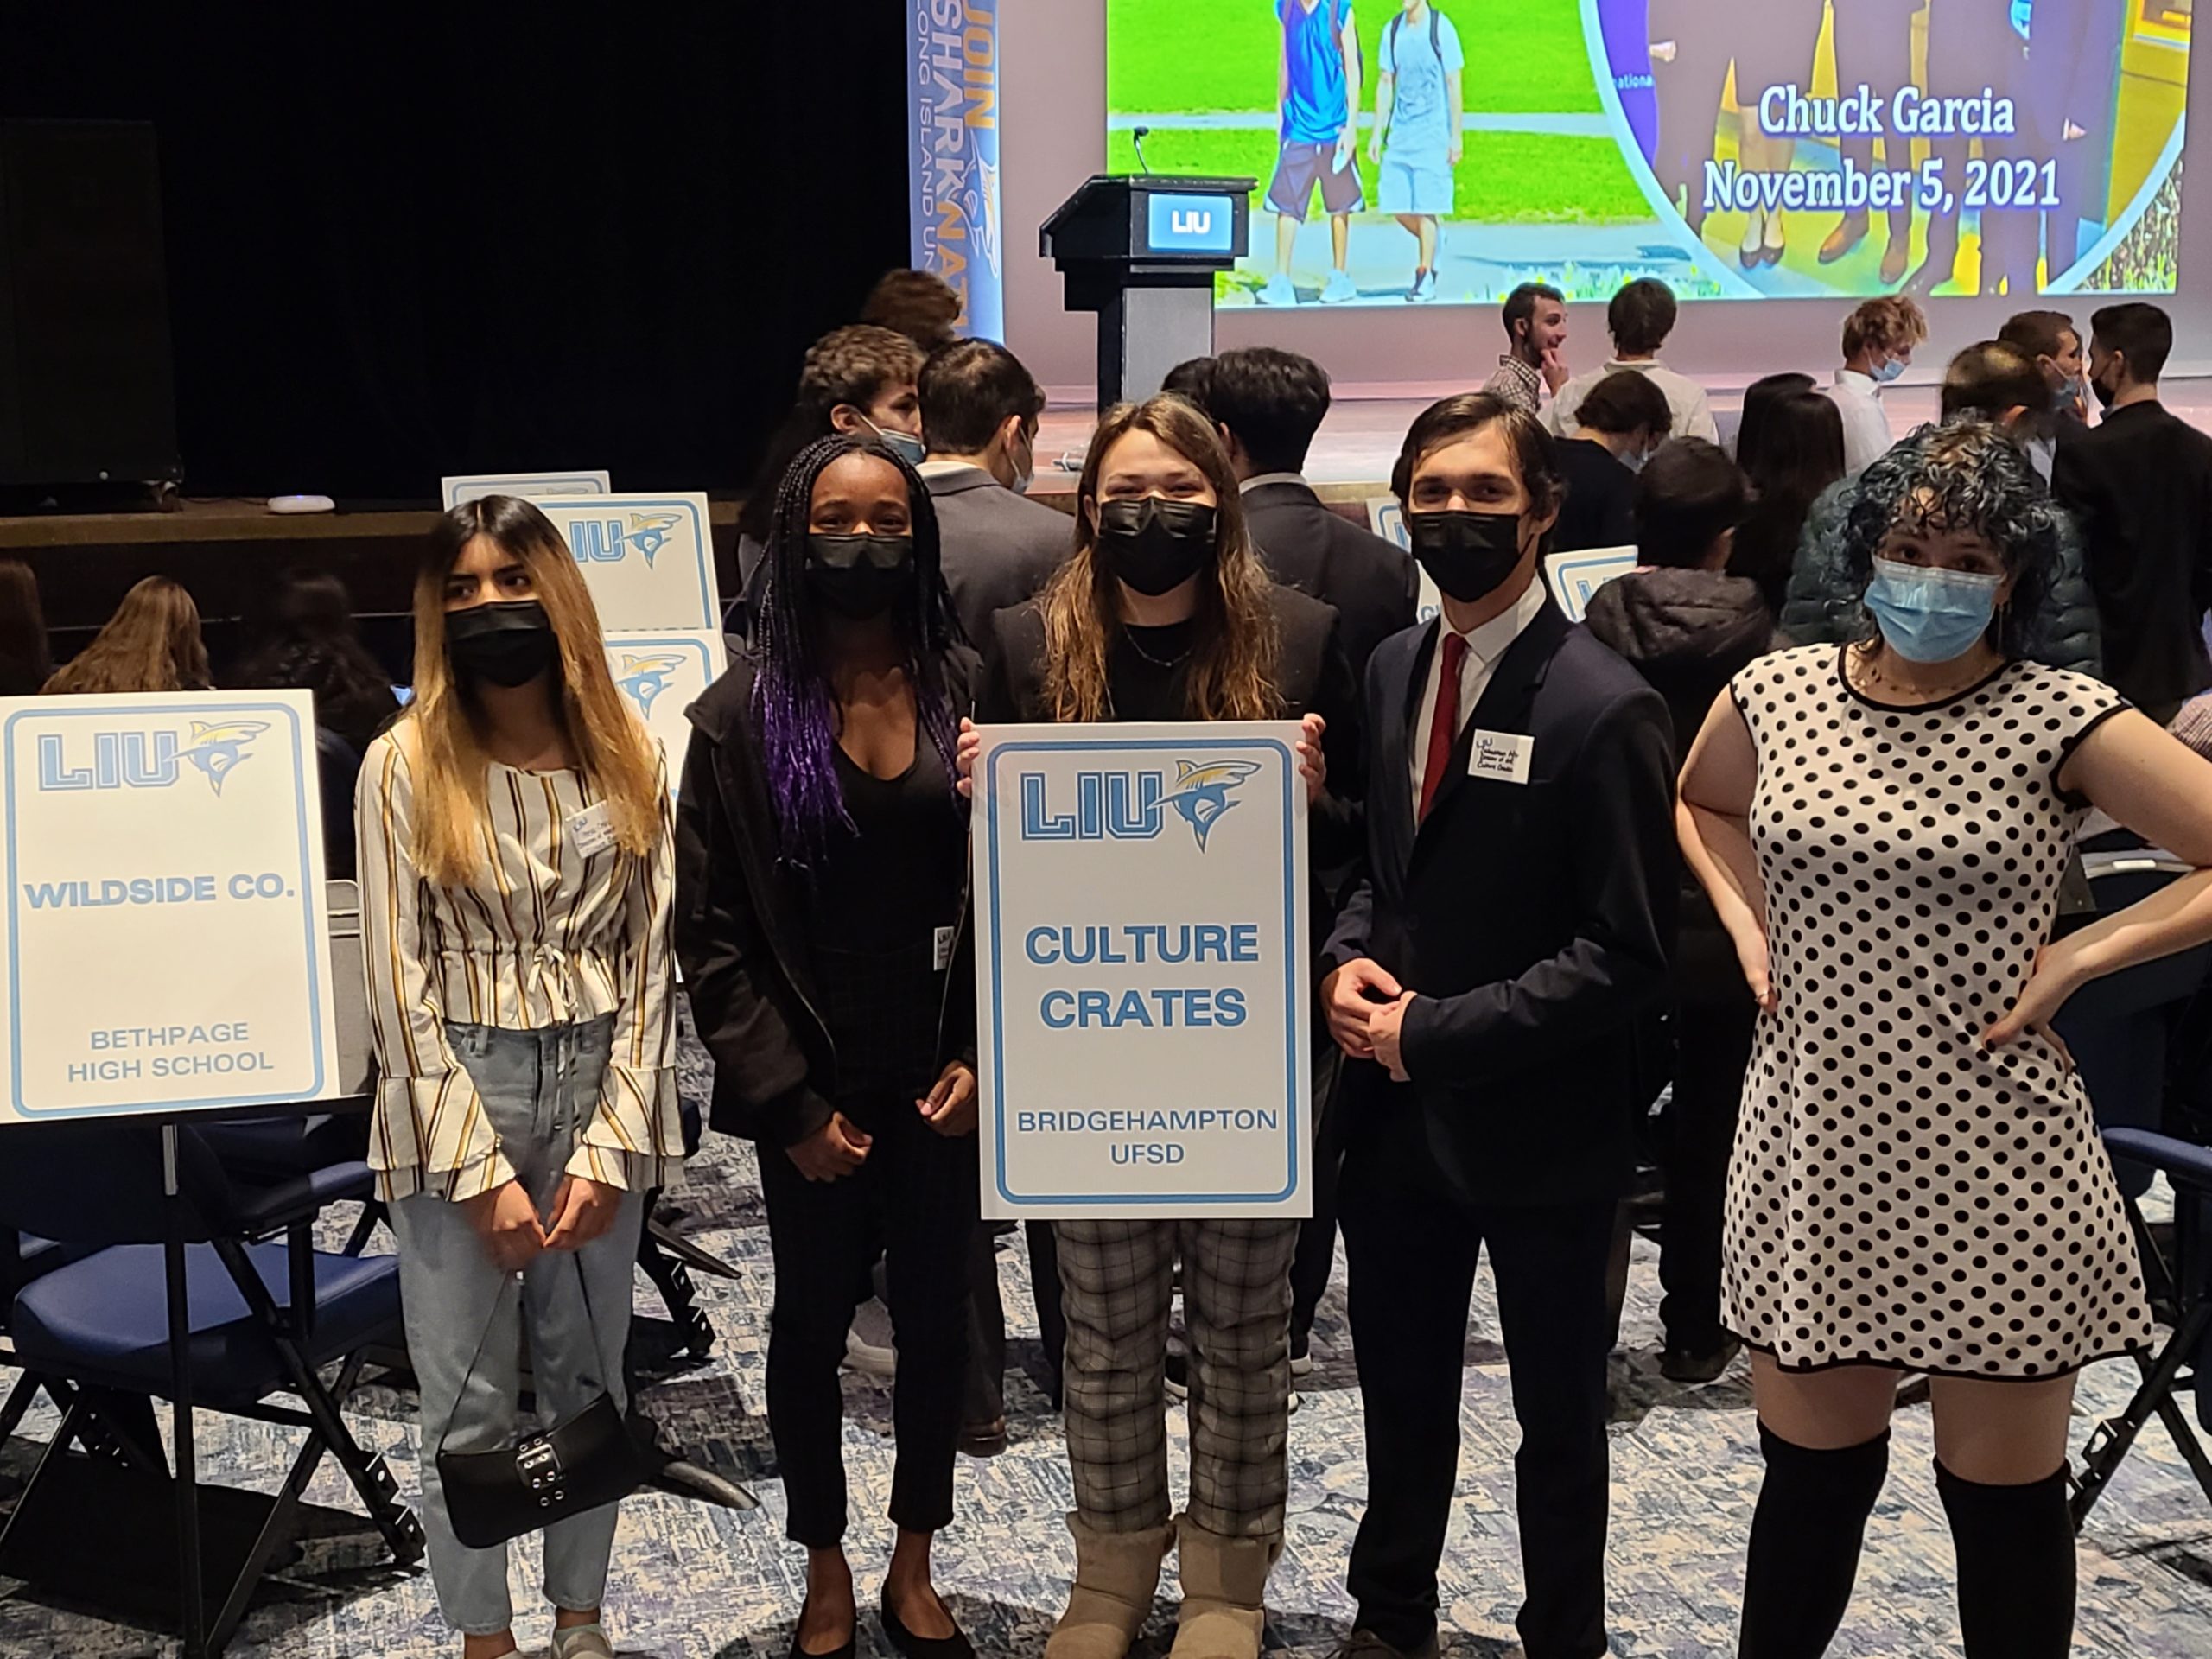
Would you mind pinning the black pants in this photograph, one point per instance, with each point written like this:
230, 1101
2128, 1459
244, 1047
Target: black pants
1714, 1023
1412, 1254
915, 1200
1317, 1236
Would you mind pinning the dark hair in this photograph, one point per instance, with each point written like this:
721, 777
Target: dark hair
1797, 455
1622, 401
1521, 303
1759, 399
306, 641
852, 365
1193, 381
793, 709
1641, 316
1687, 495
919, 304
1991, 377
1454, 417
1966, 475
1271, 401
968, 391
26, 653
2140, 332
2039, 334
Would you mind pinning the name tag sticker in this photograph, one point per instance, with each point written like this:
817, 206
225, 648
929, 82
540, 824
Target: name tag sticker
1504, 756
592, 831
943, 954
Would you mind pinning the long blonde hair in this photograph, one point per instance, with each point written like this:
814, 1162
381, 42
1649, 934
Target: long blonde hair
152, 643
448, 762
1233, 658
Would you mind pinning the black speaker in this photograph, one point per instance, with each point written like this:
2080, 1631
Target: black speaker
88, 379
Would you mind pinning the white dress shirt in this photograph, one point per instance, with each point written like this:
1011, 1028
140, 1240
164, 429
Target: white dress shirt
1485, 646
1865, 422
1686, 400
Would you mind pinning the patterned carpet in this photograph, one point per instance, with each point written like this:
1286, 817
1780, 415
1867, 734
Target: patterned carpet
703, 1582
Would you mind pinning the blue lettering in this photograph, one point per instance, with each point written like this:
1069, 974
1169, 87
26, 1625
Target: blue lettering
1228, 1007
1035, 825
1050, 1011
51, 774
1040, 947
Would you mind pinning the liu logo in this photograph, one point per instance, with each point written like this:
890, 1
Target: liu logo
646, 674
606, 541
149, 760
1129, 806
1192, 221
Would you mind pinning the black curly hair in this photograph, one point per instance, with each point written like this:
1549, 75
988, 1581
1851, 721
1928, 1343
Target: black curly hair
1964, 476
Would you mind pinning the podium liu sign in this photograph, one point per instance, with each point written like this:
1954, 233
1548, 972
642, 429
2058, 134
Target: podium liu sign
164, 923
1142, 971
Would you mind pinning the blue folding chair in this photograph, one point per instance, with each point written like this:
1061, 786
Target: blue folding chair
265, 1319
2180, 1285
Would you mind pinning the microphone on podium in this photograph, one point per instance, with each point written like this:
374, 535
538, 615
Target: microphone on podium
1137, 136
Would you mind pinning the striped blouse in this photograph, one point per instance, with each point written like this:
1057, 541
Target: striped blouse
541, 935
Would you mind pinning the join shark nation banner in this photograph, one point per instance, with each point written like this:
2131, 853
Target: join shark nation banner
952, 160
1141, 971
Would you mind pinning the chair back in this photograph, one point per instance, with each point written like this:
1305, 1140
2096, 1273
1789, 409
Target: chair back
99, 1181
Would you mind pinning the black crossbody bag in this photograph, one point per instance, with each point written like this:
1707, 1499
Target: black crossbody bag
546, 1476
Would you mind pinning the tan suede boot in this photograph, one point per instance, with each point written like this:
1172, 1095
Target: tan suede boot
1116, 1576
1224, 1592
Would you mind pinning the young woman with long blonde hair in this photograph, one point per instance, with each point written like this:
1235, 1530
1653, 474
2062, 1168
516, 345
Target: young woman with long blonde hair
516, 867
152, 643
1164, 612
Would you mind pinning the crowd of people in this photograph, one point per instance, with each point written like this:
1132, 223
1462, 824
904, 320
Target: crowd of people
1784, 838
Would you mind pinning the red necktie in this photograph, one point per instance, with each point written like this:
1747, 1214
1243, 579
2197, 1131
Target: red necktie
1444, 730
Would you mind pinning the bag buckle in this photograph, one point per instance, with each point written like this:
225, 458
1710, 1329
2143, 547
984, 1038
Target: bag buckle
539, 1466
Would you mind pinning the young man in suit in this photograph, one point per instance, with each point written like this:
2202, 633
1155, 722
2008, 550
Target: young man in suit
1269, 404
2139, 482
978, 418
1483, 983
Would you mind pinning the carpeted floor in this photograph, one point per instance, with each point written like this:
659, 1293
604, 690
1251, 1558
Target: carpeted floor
695, 1581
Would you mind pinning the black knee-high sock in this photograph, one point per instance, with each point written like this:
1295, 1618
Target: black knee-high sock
2016, 1566
1805, 1538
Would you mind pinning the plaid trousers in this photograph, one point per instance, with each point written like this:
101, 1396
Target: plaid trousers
1118, 1281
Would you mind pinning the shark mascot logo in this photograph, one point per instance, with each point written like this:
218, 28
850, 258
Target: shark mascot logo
217, 748
1201, 794
645, 675
649, 532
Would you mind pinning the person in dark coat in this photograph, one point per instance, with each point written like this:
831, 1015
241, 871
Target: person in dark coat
1622, 419
1687, 627
821, 918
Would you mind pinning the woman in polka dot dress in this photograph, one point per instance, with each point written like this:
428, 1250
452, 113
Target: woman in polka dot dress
1917, 1183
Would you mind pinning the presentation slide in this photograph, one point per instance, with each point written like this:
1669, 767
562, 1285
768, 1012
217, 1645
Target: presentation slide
1445, 150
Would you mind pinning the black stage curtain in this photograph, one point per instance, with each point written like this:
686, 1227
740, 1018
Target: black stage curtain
479, 241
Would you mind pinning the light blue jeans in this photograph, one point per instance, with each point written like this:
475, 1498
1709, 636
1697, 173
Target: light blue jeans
538, 1087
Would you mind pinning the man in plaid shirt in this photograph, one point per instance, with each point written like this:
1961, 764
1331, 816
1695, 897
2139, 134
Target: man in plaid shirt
1536, 328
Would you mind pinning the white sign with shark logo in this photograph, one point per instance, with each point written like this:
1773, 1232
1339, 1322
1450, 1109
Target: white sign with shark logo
474, 486
649, 560
164, 928
663, 674
1142, 968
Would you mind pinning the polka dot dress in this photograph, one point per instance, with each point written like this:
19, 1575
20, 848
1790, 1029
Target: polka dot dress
1898, 1194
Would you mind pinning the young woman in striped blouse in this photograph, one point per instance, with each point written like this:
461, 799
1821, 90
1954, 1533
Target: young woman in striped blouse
516, 878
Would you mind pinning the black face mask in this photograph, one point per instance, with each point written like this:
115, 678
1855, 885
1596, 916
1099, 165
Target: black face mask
2105, 393
508, 642
1467, 553
861, 577
1155, 544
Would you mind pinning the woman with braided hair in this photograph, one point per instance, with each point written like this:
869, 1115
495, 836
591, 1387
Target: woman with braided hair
822, 860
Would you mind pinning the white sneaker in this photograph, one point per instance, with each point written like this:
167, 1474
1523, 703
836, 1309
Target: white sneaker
1279, 290
1338, 289
869, 1346
1423, 288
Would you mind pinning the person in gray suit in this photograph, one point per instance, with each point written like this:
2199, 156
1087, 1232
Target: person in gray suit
978, 418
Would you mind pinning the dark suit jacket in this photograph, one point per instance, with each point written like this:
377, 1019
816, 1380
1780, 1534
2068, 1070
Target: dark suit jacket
1600, 508
1308, 547
2141, 484
1532, 921
998, 548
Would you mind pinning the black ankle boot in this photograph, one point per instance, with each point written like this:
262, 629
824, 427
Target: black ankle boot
1805, 1539
2016, 1566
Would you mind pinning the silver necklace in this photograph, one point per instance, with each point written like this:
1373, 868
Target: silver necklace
1171, 663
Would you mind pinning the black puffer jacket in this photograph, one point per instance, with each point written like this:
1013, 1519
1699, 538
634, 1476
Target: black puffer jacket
1689, 632
1823, 605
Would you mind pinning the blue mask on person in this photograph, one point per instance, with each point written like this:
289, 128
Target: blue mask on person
1930, 615
905, 445
1889, 372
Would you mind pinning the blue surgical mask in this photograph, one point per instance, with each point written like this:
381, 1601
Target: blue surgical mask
2069, 393
1930, 615
1889, 372
905, 445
